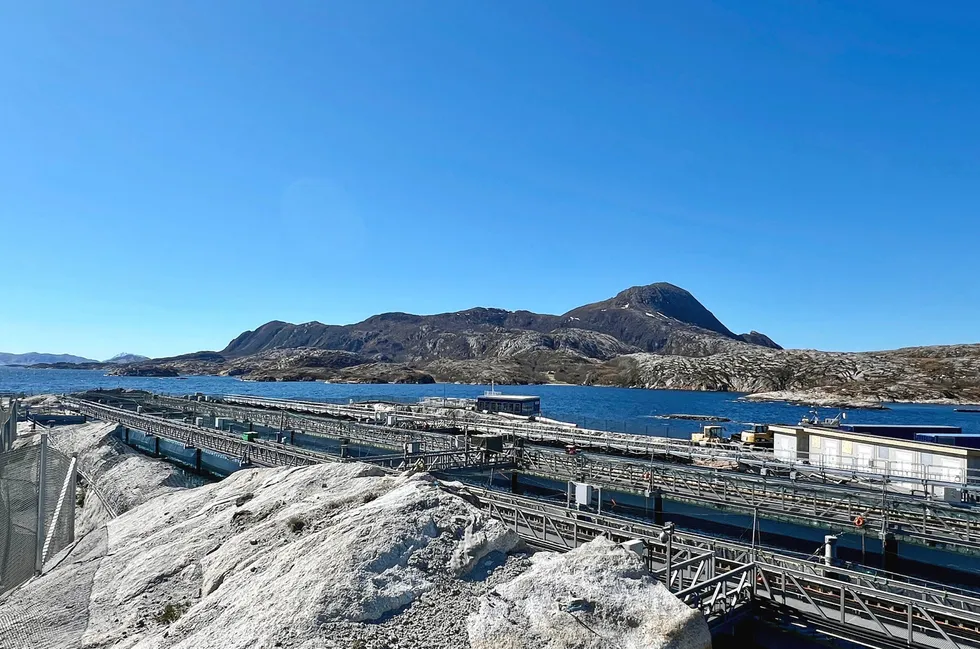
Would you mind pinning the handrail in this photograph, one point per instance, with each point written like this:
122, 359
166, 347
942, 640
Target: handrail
766, 555
725, 576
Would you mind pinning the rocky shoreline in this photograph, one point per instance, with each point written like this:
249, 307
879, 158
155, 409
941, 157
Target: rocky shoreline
816, 398
938, 375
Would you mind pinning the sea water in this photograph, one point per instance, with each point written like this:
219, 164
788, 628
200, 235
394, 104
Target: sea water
615, 409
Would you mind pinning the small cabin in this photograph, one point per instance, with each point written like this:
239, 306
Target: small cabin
509, 403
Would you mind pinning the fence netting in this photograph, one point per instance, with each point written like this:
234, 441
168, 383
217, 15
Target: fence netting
22, 521
18, 515
30, 536
62, 625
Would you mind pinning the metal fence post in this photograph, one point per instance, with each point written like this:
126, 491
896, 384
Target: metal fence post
42, 479
667, 537
72, 490
11, 426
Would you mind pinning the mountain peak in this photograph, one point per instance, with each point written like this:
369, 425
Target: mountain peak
653, 295
762, 340
126, 357
668, 300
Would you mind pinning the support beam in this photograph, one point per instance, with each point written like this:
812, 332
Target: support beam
889, 552
42, 478
72, 493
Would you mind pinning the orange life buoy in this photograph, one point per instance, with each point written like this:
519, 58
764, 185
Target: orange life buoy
859, 521
646, 476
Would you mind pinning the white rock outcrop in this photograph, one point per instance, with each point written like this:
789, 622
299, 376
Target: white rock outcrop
816, 397
265, 558
598, 596
120, 475
333, 556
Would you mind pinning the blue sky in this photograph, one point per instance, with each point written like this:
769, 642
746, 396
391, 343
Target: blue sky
173, 173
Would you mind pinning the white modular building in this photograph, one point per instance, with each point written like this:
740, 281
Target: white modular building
911, 465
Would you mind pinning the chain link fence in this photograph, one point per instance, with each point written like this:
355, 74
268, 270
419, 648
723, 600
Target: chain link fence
37, 510
18, 515
8, 424
32, 536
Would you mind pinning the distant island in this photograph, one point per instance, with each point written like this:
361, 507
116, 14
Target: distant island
34, 358
657, 336
67, 361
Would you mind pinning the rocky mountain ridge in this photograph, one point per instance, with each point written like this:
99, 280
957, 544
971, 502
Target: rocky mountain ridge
657, 336
659, 318
942, 374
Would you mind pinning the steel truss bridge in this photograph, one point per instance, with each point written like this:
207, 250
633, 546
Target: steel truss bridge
749, 458
368, 434
270, 454
812, 499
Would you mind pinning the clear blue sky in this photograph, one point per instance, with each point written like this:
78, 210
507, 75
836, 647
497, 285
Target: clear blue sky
173, 173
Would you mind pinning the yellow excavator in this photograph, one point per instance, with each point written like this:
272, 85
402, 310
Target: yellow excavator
708, 435
756, 435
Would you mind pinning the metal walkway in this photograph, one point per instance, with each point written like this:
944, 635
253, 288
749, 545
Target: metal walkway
725, 580
823, 504
367, 434
758, 460
720, 577
910, 518
262, 453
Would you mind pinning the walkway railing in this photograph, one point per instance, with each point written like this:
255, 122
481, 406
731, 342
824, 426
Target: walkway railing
893, 474
720, 578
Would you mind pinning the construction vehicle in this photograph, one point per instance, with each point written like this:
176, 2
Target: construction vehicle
708, 435
757, 435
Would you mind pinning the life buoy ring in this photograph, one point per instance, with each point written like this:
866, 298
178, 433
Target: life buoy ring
859, 521
646, 476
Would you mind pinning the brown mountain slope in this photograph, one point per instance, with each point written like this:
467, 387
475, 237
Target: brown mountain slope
656, 336
659, 318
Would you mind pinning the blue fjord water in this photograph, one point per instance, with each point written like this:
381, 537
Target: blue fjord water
617, 409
